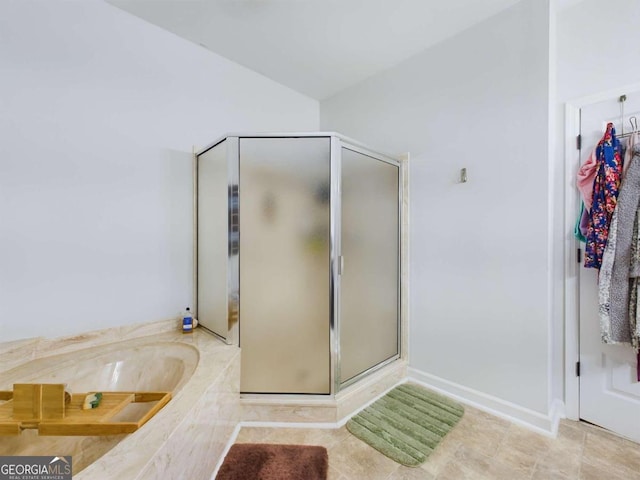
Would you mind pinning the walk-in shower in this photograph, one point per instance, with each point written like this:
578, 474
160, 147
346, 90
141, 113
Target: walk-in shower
298, 258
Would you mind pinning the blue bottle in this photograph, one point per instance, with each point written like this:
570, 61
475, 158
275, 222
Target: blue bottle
187, 321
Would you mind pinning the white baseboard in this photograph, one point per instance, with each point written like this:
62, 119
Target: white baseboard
557, 412
544, 424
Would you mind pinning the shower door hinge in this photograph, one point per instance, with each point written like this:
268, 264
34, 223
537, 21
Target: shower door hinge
579, 142
579, 255
340, 265
577, 369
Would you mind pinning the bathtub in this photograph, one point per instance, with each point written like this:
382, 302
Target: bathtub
198, 370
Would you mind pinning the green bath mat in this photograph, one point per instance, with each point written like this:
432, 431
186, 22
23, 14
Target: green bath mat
407, 423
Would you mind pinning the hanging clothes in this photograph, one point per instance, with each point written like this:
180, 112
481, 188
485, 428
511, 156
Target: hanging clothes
586, 177
604, 284
582, 223
584, 182
611, 331
634, 295
634, 268
634, 282
619, 262
628, 154
605, 194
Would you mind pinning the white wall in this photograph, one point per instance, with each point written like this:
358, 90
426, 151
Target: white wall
480, 288
98, 114
598, 47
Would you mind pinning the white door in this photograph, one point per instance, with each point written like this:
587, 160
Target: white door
609, 391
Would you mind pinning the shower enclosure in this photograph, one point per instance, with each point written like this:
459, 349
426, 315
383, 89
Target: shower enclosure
298, 258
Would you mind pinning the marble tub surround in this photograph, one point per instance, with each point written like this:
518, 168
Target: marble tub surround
107, 368
198, 444
188, 436
200, 418
112, 367
17, 352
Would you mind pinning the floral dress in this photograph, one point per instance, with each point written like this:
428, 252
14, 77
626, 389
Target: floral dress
605, 195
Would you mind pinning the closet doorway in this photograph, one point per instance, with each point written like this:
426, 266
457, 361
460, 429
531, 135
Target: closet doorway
609, 393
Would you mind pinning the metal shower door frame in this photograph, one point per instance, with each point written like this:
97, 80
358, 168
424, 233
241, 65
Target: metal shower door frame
337, 142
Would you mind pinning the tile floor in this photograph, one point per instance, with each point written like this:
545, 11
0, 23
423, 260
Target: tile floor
480, 447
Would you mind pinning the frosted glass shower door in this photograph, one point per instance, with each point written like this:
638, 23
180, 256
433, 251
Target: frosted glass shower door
213, 248
284, 265
369, 291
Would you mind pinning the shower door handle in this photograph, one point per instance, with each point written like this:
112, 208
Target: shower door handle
340, 265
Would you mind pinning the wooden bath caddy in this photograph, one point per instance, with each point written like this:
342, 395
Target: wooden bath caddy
42, 406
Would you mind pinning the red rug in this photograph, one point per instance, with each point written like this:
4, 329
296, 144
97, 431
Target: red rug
263, 461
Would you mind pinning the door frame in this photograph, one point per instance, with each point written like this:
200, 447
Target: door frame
571, 273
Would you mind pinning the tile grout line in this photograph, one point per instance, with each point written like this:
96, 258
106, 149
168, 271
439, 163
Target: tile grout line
502, 440
535, 467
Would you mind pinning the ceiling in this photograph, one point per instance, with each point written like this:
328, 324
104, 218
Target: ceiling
317, 47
